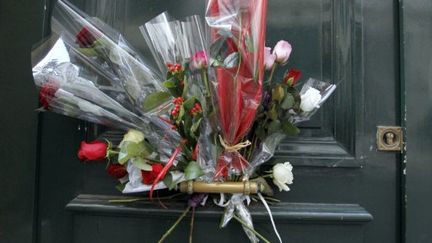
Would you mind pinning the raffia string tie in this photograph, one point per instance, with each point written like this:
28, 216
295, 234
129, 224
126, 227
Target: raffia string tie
233, 148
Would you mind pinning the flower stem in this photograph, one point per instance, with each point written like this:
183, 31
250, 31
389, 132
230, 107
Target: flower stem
208, 96
170, 230
251, 229
252, 147
129, 200
192, 225
204, 75
269, 80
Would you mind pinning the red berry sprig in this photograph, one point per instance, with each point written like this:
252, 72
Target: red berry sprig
174, 68
196, 109
177, 104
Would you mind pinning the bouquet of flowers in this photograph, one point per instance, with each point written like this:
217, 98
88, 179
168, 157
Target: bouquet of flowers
203, 122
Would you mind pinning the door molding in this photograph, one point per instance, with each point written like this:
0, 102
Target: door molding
416, 77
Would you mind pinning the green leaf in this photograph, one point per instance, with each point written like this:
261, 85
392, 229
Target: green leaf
196, 125
134, 149
215, 62
155, 99
170, 182
274, 126
289, 128
193, 171
297, 99
120, 187
231, 60
141, 164
189, 103
288, 102
181, 114
169, 84
131, 149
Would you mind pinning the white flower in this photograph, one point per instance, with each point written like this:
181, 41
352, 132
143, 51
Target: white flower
310, 100
282, 175
133, 136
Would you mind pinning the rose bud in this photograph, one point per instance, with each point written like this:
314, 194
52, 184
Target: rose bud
310, 100
85, 38
282, 50
47, 93
117, 171
282, 175
292, 77
199, 60
269, 58
92, 151
148, 177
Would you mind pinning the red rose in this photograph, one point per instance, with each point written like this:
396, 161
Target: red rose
47, 93
117, 171
292, 77
92, 151
148, 177
85, 38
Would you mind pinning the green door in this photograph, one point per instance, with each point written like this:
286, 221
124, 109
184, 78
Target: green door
345, 190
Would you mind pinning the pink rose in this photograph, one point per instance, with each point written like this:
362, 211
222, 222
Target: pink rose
269, 58
199, 60
282, 50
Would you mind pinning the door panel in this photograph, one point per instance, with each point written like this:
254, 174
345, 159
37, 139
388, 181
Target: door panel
338, 170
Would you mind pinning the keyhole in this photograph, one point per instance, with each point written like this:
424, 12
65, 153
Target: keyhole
389, 138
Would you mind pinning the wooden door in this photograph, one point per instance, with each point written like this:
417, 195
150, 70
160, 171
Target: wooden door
345, 190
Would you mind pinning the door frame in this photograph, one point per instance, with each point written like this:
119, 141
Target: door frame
415, 23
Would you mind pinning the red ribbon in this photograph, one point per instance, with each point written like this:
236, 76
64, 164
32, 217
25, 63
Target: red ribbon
165, 170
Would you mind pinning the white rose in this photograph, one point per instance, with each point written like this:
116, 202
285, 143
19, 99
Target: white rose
282, 175
133, 136
310, 100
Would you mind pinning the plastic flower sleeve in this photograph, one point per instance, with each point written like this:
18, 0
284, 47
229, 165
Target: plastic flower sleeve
264, 151
174, 42
236, 206
61, 68
164, 37
237, 51
313, 94
111, 56
57, 66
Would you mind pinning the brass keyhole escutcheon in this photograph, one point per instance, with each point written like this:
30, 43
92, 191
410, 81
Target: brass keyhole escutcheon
389, 138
